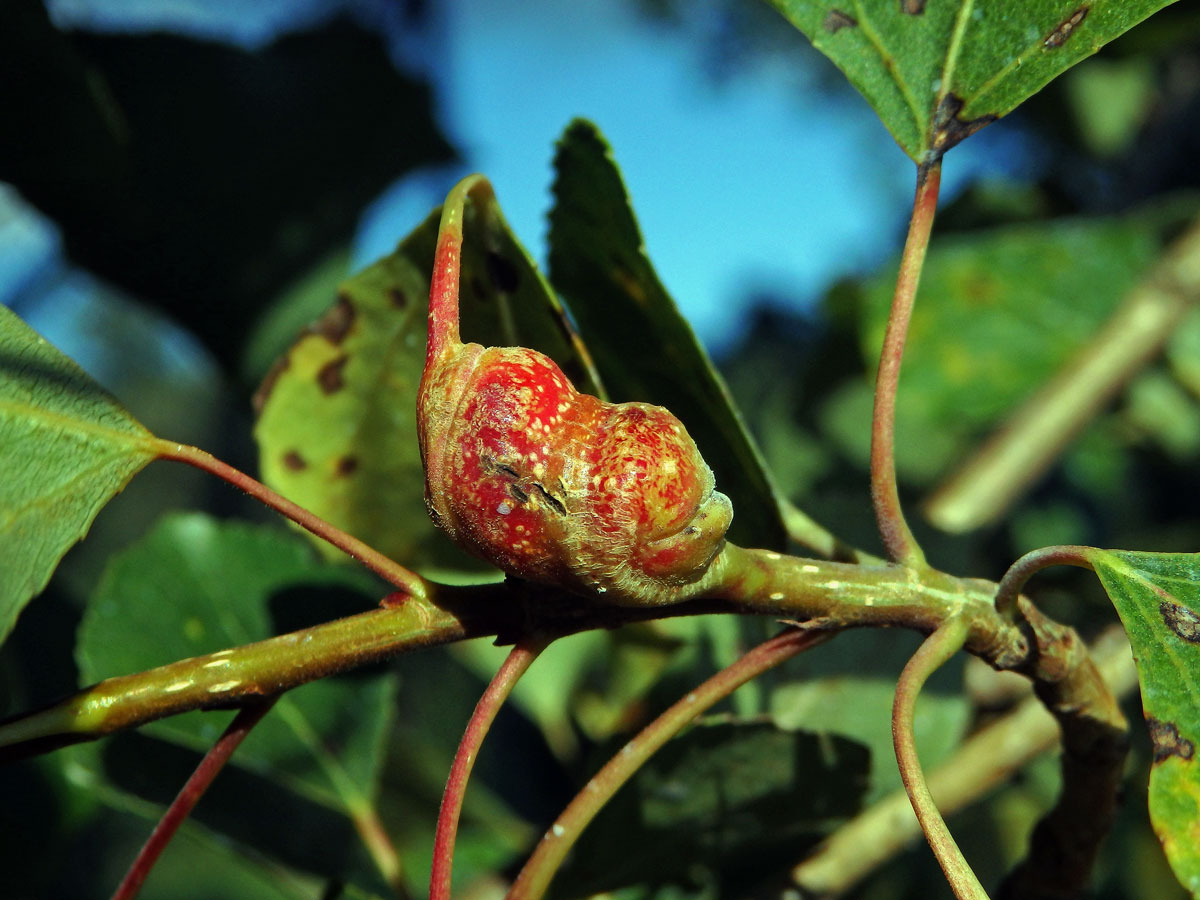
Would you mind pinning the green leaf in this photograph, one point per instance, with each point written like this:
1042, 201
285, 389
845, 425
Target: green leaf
861, 709
1157, 596
646, 349
937, 71
337, 415
66, 447
195, 585
725, 794
1020, 302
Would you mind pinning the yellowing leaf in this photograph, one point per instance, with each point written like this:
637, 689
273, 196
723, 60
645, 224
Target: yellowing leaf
337, 415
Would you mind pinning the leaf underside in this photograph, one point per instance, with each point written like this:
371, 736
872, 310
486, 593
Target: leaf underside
66, 448
936, 72
1157, 596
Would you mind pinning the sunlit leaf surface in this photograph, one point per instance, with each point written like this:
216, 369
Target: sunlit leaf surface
66, 447
1158, 598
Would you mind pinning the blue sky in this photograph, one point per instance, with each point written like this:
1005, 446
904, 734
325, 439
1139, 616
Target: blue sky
764, 183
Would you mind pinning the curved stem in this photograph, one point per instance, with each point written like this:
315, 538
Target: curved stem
535, 876
930, 656
893, 528
983, 763
501, 685
409, 583
1032, 562
444, 281
188, 796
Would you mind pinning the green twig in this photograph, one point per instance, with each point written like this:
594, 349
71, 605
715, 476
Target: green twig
893, 528
930, 656
189, 796
834, 595
501, 685
535, 876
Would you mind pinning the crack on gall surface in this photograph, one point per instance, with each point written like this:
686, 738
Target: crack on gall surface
1065, 29
1168, 741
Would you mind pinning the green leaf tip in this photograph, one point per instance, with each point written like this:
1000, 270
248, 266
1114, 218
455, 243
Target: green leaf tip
66, 448
936, 72
644, 347
1157, 596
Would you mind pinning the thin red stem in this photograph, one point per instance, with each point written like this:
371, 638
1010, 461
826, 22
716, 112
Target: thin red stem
408, 582
189, 795
893, 528
930, 656
505, 679
444, 282
535, 877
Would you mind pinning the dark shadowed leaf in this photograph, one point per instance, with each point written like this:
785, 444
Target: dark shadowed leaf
203, 176
936, 71
645, 349
1157, 596
337, 415
734, 795
195, 585
66, 447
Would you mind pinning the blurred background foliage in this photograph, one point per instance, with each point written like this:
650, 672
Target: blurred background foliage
184, 186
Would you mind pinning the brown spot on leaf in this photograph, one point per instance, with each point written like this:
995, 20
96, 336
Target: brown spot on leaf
836, 20
337, 321
503, 273
263, 394
1065, 29
293, 461
397, 297
1168, 741
1181, 620
329, 376
347, 465
949, 129
912, 7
